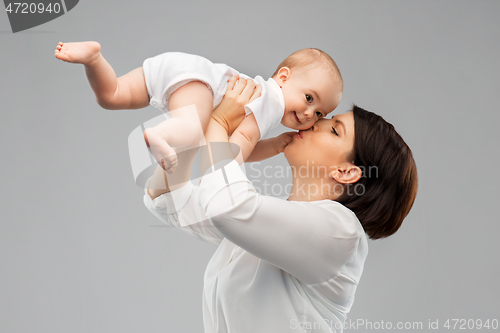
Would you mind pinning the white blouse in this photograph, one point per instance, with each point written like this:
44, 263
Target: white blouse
280, 266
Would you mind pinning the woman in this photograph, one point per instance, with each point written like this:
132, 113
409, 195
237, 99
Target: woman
291, 265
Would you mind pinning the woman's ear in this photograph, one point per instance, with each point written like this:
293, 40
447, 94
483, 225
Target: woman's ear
346, 174
283, 75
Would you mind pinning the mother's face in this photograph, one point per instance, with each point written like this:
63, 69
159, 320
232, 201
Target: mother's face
328, 143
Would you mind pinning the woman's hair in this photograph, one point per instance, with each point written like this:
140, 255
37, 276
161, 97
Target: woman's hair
385, 193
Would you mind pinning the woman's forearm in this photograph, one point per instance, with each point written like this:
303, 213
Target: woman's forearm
219, 147
224, 120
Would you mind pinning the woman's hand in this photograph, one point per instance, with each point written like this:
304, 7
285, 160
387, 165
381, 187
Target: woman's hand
231, 112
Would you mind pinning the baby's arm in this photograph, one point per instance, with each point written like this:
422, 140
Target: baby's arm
246, 137
268, 148
263, 150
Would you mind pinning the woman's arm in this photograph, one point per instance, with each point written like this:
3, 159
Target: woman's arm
225, 120
170, 197
179, 209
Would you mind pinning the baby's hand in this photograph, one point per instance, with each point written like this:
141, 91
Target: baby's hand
282, 140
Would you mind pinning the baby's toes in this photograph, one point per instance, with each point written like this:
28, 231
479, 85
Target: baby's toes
163, 164
171, 170
173, 159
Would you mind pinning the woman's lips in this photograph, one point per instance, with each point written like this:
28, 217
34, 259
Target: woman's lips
299, 134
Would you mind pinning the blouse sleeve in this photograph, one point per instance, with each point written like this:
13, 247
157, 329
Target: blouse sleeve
179, 210
310, 240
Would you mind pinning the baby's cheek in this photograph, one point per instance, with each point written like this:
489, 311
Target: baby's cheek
287, 119
307, 125
303, 127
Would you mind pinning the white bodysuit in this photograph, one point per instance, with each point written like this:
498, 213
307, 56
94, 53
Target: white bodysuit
280, 266
169, 71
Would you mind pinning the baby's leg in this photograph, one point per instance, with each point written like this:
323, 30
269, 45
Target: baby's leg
191, 107
126, 92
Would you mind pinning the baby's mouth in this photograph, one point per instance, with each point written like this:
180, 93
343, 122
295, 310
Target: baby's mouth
296, 118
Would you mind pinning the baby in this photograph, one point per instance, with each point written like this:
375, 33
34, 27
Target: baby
306, 86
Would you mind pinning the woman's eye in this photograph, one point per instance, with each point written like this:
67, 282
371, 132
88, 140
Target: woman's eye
319, 114
334, 131
309, 98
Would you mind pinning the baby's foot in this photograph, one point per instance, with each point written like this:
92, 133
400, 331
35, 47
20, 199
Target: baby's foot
78, 53
161, 150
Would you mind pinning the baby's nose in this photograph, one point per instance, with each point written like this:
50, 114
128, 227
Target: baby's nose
308, 114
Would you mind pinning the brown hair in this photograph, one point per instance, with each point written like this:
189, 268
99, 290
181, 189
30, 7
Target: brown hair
389, 193
306, 58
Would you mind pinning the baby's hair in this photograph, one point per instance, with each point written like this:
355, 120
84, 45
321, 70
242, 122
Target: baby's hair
308, 58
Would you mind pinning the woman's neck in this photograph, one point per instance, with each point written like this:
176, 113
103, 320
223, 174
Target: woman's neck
314, 189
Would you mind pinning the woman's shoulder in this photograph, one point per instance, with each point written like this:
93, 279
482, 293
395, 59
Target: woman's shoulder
341, 221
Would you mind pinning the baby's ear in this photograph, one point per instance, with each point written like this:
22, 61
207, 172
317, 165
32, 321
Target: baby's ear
283, 75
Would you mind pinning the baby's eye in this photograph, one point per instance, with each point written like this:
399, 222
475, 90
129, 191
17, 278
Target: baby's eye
319, 114
309, 98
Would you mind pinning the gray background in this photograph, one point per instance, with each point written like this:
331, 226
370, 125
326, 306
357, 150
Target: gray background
80, 253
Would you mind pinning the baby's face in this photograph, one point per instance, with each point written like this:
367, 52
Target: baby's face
309, 95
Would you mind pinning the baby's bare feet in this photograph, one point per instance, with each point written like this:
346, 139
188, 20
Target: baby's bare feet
78, 53
161, 150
